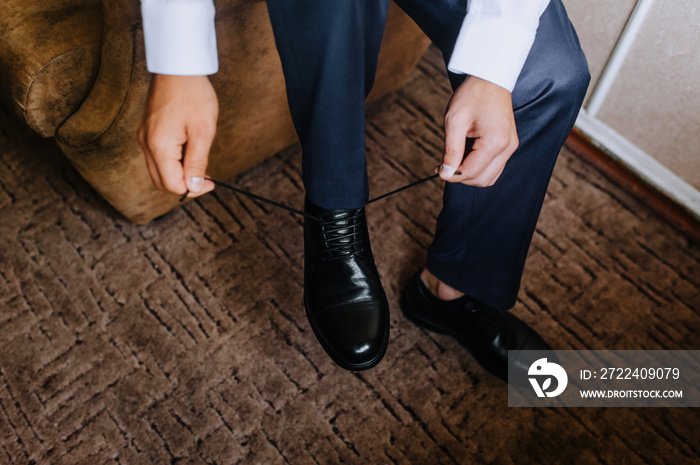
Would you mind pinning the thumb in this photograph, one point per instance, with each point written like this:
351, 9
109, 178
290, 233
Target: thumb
195, 162
455, 145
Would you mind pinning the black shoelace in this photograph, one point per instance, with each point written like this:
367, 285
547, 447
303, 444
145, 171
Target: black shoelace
342, 235
302, 213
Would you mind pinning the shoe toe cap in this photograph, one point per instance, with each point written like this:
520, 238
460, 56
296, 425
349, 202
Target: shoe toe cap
526, 346
355, 334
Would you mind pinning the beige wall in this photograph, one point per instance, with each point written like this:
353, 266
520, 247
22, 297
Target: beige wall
655, 100
598, 32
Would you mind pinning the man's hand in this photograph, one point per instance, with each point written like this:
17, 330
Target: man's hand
176, 132
483, 111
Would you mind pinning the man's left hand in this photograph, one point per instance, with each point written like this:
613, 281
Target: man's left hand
483, 111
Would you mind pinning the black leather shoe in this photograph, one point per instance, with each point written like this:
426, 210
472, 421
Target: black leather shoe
343, 296
486, 332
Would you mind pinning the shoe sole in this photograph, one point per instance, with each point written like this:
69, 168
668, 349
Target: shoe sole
342, 363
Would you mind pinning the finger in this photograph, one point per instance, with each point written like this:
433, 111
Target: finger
474, 165
196, 156
480, 176
486, 148
153, 171
456, 127
150, 164
490, 174
165, 144
497, 176
436, 170
489, 155
478, 169
168, 162
207, 187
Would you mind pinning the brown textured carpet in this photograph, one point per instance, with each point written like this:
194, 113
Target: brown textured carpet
185, 341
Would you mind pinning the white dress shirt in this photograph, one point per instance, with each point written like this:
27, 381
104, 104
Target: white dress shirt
493, 43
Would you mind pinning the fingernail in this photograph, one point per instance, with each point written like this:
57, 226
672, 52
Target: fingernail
446, 171
437, 169
196, 184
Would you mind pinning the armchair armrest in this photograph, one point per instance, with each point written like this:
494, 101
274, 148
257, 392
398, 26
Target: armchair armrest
49, 56
108, 94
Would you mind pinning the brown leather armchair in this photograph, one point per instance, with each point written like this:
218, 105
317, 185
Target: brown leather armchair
75, 70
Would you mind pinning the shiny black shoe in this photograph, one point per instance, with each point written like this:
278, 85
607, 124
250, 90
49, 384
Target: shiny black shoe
487, 333
343, 296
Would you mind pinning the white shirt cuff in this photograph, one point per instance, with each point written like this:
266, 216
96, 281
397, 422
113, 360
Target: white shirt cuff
180, 37
492, 49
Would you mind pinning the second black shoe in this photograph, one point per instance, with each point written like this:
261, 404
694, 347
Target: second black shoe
487, 333
343, 296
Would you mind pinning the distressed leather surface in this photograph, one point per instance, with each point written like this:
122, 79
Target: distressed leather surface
49, 57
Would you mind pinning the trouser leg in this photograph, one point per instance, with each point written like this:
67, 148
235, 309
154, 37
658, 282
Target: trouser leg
329, 53
483, 234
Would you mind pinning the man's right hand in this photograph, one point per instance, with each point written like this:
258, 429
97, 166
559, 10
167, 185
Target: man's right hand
483, 111
176, 132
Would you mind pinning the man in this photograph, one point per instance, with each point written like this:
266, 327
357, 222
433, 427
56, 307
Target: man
519, 78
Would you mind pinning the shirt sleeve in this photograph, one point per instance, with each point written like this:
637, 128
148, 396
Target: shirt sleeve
180, 37
496, 38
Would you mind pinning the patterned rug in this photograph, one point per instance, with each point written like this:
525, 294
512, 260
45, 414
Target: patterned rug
185, 341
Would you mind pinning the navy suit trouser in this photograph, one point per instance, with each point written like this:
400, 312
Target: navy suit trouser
329, 51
